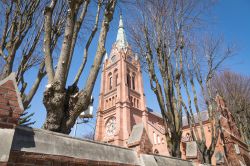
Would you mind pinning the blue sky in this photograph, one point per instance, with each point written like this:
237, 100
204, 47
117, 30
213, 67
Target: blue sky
228, 17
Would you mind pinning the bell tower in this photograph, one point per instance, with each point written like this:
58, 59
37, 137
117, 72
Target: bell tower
121, 99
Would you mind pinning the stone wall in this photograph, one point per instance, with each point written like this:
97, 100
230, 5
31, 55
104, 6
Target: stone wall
27, 146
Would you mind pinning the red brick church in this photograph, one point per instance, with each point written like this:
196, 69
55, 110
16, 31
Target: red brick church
123, 118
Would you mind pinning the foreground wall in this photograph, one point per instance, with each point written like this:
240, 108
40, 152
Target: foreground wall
26, 146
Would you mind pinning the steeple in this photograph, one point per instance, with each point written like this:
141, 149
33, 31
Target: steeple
105, 57
121, 41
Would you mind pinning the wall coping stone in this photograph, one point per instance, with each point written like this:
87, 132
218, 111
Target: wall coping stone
41, 141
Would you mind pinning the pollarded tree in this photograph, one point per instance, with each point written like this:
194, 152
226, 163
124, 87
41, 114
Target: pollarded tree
158, 35
235, 90
20, 45
20, 33
201, 62
64, 104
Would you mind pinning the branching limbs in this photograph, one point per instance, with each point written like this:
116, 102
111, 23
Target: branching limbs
63, 104
210, 55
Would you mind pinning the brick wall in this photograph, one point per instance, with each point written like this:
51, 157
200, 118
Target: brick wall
10, 104
18, 158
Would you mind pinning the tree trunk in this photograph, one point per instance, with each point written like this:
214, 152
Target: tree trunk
206, 157
60, 106
176, 152
173, 143
54, 99
63, 105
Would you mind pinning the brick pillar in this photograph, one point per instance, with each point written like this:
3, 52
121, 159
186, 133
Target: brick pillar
10, 102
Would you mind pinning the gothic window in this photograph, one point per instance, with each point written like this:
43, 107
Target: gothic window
128, 80
116, 79
113, 58
133, 82
158, 139
107, 103
137, 103
113, 101
110, 82
154, 137
134, 102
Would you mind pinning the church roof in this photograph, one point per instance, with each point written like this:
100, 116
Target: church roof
204, 116
121, 40
136, 134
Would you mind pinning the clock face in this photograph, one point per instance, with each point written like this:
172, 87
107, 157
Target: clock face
110, 126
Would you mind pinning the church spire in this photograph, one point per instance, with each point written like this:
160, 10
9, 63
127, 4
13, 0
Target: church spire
121, 40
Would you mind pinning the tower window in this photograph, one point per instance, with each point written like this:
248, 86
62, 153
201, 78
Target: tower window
133, 82
110, 82
128, 80
116, 79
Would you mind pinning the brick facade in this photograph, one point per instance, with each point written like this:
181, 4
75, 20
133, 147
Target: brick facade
10, 102
19, 158
122, 105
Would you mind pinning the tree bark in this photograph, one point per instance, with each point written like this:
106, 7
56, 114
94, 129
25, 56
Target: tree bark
63, 105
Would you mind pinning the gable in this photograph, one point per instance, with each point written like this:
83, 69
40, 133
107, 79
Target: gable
10, 102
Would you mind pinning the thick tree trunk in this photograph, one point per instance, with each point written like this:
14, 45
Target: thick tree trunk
53, 100
61, 105
173, 143
176, 152
206, 157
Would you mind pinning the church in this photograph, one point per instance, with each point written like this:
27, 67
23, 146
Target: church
123, 119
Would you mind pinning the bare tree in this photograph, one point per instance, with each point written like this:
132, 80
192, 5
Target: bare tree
64, 105
20, 46
206, 58
158, 36
21, 31
235, 90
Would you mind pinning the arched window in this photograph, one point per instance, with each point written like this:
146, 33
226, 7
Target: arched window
158, 139
113, 101
106, 104
128, 80
110, 102
115, 77
134, 102
133, 82
154, 137
110, 82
